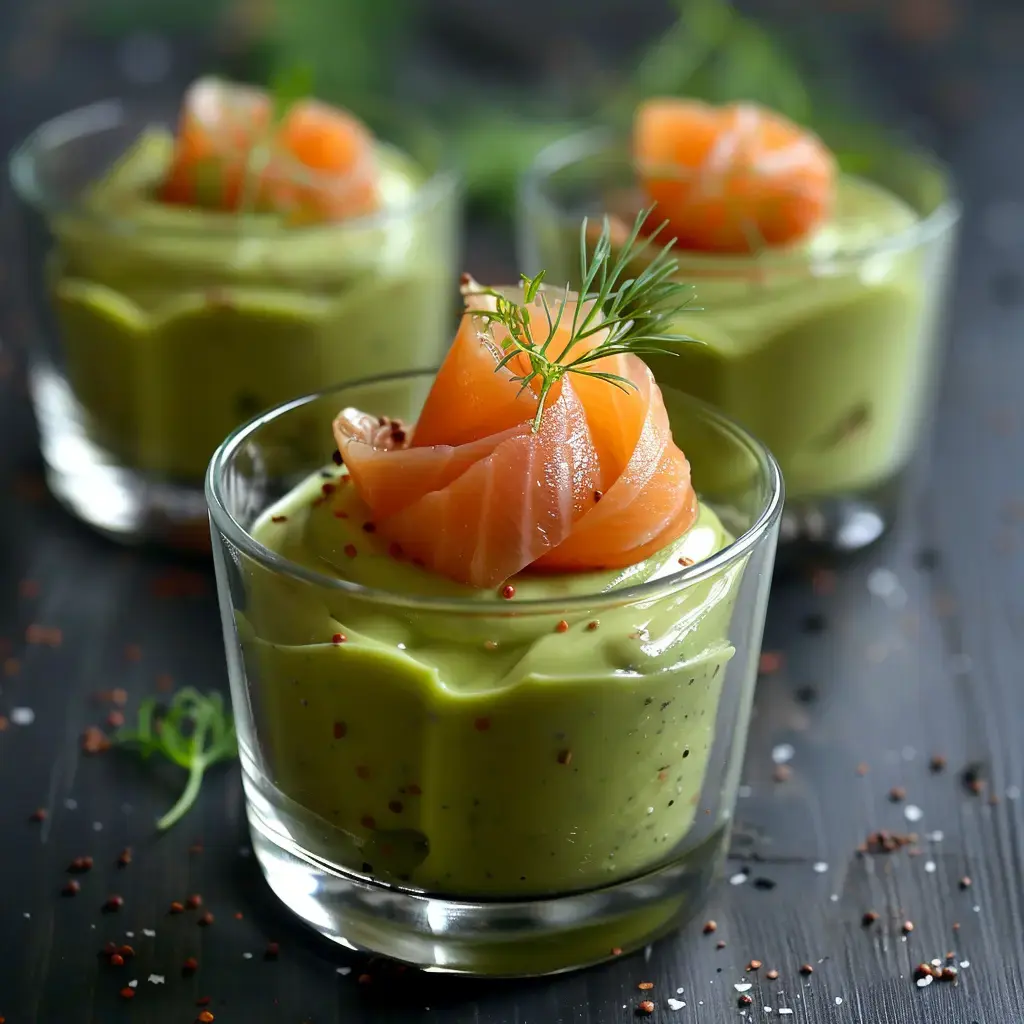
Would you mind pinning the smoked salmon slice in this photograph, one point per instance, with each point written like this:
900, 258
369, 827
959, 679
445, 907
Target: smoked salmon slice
479, 495
732, 178
317, 164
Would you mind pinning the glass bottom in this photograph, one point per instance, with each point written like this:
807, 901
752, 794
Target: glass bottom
512, 938
122, 503
814, 529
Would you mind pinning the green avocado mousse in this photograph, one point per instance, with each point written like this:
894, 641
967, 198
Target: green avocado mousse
493, 646
817, 290
190, 274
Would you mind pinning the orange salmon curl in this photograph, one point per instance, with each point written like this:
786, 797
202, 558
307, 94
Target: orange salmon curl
478, 495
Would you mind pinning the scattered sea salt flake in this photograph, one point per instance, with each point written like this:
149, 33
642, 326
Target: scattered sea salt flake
344, 970
834, 897
977, 910
679, 991
883, 582
131, 935
675, 1004
156, 979
936, 962
785, 1010
782, 753
738, 879
1012, 792
71, 803
839, 1000
134, 983
743, 986
925, 981
648, 950
935, 837
965, 963
22, 716
929, 866
97, 826
821, 867
148, 932
247, 956
744, 791
912, 812
26, 914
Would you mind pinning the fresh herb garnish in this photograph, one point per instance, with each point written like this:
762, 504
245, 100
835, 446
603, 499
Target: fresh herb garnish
632, 310
195, 731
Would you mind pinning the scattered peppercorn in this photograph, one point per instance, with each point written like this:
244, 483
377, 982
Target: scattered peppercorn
126, 951
113, 903
80, 865
71, 887
205, 1017
369, 527
194, 902
745, 1000
965, 882
924, 971
720, 944
190, 965
869, 918
593, 625
339, 638
176, 908
508, 591
350, 550
615, 951
565, 757
39, 814
124, 857
949, 974
116, 960
754, 965
937, 763
782, 773
127, 992
206, 920
598, 495
908, 927
806, 969
897, 793
645, 1008
561, 626
336, 457
710, 926
772, 975
272, 950
94, 741
365, 979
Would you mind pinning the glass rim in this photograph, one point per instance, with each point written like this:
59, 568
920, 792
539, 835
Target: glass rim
106, 114
687, 576
570, 149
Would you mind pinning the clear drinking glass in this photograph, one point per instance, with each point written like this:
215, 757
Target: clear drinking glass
829, 354
155, 330
443, 787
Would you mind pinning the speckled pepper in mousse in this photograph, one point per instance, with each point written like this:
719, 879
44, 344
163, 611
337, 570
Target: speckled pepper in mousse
511, 752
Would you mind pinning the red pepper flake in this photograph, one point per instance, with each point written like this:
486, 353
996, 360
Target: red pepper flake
115, 719
413, 790
12, 666
190, 966
205, 1017
369, 527
124, 858
685, 561
80, 865
194, 902
645, 986
340, 513
206, 920
395, 551
272, 951
72, 887
113, 903
562, 626
119, 697
565, 757
116, 960
350, 550
396, 807
127, 992
745, 1000
28, 588
591, 626
340, 730
363, 771
132, 652
482, 724
279, 519
770, 662
368, 821
328, 488
39, 814
508, 591
339, 638
646, 1007
176, 908
126, 951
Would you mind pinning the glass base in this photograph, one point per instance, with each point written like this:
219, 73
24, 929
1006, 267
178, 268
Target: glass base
122, 503
814, 529
512, 938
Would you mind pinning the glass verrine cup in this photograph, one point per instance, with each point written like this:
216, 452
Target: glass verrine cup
155, 330
482, 785
829, 353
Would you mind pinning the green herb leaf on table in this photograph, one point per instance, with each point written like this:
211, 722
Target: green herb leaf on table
633, 311
195, 731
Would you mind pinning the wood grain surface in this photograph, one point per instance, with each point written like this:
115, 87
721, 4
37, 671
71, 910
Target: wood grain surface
913, 651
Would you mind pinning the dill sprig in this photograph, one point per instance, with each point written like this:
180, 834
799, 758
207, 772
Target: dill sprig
633, 311
195, 731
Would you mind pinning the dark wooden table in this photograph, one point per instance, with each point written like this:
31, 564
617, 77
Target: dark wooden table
914, 651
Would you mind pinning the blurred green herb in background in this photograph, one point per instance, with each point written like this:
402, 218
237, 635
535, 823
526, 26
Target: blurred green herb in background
358, 52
